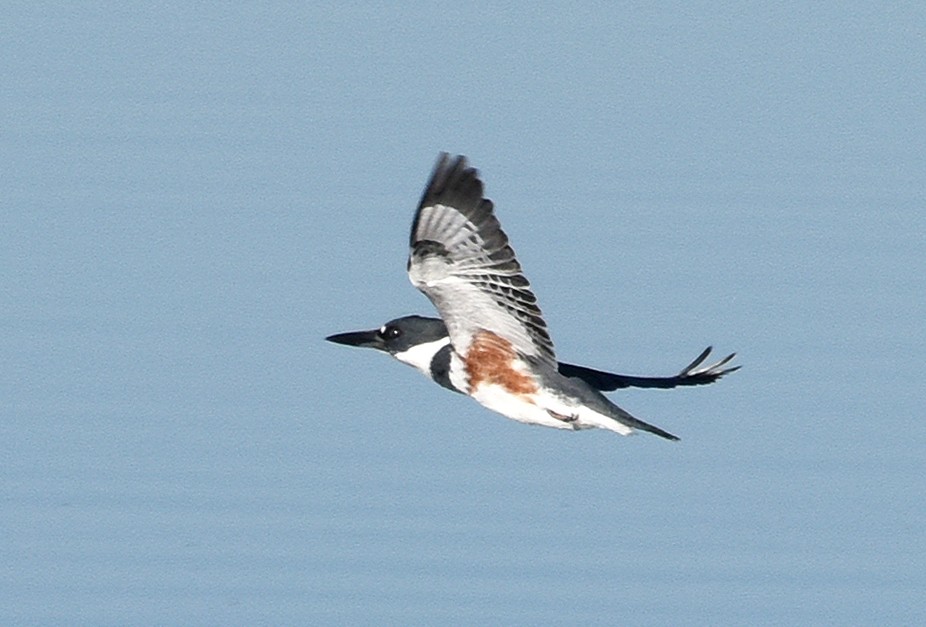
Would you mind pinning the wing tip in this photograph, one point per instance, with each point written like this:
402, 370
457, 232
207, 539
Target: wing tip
450, 173
453, 183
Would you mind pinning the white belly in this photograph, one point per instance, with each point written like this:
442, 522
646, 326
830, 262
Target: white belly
518, 407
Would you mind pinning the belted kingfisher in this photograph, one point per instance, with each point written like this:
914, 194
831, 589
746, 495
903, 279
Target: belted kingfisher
491, 341
423, 343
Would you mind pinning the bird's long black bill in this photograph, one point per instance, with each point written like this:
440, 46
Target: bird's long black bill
368, 339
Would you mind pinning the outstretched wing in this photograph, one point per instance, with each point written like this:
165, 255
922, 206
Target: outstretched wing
693, 374
461, 260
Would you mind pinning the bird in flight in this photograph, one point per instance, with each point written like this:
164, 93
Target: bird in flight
491, 342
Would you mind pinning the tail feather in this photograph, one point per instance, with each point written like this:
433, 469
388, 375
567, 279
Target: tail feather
596, 410
636, 423
620, 421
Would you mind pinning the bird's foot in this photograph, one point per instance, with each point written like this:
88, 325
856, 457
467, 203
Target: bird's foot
566, 419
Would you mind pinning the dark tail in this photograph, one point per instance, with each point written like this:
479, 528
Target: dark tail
625, 418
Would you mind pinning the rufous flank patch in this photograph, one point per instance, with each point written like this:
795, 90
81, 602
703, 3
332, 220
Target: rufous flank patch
489, 360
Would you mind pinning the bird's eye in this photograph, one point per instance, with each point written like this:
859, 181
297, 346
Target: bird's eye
390, 332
